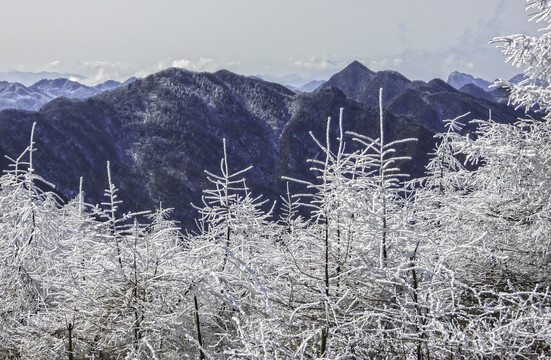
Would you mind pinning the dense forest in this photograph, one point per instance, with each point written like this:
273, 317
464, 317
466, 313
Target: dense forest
364, 263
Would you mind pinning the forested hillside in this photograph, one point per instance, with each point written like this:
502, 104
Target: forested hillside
359, 263
161, 132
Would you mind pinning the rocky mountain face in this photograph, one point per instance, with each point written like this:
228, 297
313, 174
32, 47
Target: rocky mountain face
160, 133
32, 98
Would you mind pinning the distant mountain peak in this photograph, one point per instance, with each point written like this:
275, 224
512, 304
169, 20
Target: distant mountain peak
458, 80
361, 84
356, 66
18, 96
311, 86
30, 78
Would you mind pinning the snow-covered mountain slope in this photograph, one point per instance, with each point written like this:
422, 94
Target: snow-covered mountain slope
160, 133
425, 103
29, 78
19, 96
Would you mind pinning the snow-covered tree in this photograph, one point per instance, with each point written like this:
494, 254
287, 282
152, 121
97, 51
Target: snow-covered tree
29, 277
231, 258
345, 259
320, 251
455, 265
135, 284
481, 218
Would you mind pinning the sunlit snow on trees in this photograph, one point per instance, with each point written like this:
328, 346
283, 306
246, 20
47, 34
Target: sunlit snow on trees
364, 263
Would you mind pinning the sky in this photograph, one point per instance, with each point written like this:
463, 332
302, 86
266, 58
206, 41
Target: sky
289, 41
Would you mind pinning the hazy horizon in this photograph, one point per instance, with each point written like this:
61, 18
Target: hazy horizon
311, 39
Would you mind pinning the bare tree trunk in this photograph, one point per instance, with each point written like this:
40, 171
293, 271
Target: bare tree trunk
415, 286
137, 319
70, 349
324, 331
384, 255
323, 346
198, 328
326, 265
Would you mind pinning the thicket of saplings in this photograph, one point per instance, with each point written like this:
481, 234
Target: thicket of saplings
449, 266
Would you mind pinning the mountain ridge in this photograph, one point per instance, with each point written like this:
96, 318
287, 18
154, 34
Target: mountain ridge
33, 97
161, 132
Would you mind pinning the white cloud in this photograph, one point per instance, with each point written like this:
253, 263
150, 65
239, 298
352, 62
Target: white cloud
201, 64
54, 64
182, 63
96, 72
315, 63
